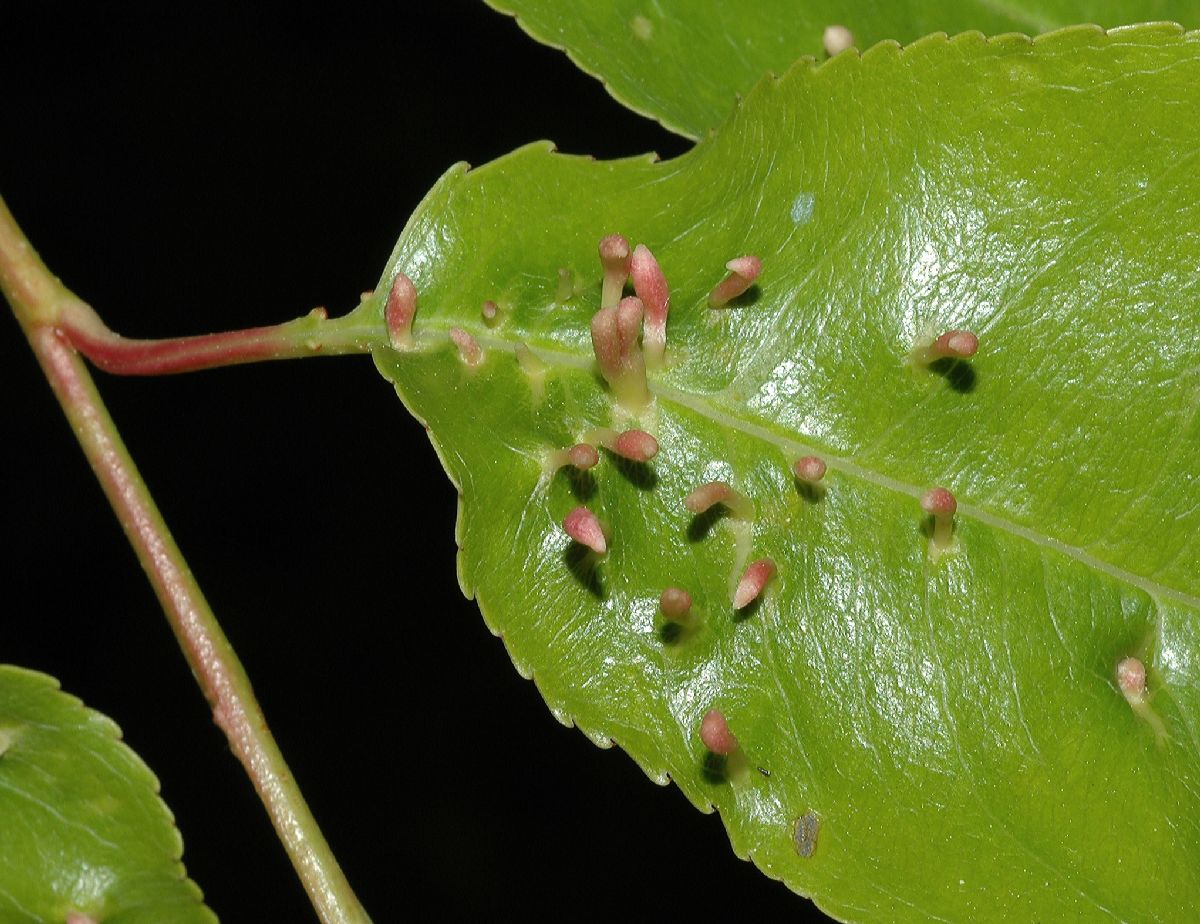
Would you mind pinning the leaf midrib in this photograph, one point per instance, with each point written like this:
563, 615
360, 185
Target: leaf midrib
433, 335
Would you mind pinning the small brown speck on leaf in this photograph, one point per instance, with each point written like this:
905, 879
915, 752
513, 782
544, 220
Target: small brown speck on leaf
808, 826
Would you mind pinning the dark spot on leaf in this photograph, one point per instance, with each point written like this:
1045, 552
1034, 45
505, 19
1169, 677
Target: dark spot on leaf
715, 768
702, 523
928, 524
747, 298
959, 375
582, 483
638, 474
748, 610
675, 635
584, 567
671, 633
808, 826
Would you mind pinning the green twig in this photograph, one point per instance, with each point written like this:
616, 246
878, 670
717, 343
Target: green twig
52, 317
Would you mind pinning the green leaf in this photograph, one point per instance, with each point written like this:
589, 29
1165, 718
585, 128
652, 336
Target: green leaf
84, 829
683, 61
949, 727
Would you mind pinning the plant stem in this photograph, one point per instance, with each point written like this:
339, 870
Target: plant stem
40, 302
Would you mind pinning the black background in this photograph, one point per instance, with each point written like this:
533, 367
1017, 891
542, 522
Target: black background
212, 167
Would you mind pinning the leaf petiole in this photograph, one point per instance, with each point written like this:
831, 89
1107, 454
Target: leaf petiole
312, 335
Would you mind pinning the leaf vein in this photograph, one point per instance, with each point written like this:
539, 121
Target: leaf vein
433, 337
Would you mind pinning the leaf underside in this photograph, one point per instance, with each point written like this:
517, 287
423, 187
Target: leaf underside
85, 832
940, 738
682, 62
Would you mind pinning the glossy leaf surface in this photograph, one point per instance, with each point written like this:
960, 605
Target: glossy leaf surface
85, 832
922, 737
684, 61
